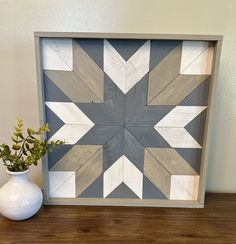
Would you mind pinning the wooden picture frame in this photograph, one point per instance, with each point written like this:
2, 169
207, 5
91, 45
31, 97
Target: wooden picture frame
215, 44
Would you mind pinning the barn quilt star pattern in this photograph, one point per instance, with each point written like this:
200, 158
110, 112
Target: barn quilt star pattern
132, 114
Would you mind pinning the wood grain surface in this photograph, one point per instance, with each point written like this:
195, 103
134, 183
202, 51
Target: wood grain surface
216, 223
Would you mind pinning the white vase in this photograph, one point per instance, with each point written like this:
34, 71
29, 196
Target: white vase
20, 198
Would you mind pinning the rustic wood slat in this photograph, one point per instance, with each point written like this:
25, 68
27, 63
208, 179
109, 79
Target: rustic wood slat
88, 71
157, 174
76, 158
166, 71
73, 87
89, 172
172, 161
178, 89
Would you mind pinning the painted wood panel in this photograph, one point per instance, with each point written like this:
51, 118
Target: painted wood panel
131, 112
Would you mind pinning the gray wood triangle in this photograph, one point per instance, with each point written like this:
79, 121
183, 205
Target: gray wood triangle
52, 93
196, 127
99, 135
133, 150
114, 98
150, 191
147, 136
192, 156
199, 96
99, 113
160, 49
95, 190
54, 121
136, 98
122, 191
126, 48
57, 154
94, 48
113, 149
149, 115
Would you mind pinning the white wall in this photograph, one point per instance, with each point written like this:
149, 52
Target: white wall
20, 18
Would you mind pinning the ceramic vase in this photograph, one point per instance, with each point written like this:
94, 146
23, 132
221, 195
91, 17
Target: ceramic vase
20, 198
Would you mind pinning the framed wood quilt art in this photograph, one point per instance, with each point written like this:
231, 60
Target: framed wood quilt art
134, 111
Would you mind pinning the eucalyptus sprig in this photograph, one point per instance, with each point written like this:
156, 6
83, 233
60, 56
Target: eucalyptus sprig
26, 149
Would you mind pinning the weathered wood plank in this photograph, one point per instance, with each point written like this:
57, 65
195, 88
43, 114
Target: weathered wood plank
89, 172
88, 71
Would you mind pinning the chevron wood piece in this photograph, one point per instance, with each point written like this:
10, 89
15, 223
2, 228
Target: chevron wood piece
184, 187
126, 74
123, 170
166, 71
113, 177
57, 54
190, 51
69, 113
115, 66
178, 137
70, 133
138, 65
202, 64
88, 71
157, 174
72, 86
76, 158
178, 89
171, 127
180, 116
172, 161
62, 184
89, 172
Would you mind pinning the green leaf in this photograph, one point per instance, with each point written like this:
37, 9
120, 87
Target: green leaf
30, 140
14, 140
21, 136
27, 146
16, 147
16, 133
24, 151
30, 131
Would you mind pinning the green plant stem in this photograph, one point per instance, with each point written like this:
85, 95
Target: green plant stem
20, 154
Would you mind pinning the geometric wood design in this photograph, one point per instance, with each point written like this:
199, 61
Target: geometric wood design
77, 124
132, 112
126, 74
123, 171
171, 127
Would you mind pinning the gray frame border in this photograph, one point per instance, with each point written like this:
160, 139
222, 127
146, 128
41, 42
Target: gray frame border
216, 39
